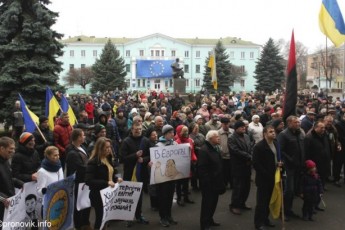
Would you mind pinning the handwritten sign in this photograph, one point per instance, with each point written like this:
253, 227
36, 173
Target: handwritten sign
170, 162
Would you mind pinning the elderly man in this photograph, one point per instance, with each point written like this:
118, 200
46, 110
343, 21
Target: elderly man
214, 123
211, 180
240, 148
291, 142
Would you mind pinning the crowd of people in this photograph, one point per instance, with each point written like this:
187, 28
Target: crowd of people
229, 136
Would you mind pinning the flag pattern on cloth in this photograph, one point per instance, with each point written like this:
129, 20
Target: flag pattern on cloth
277, 194
290, 99
136, 175
213, 72
29, 117
154, 68
331, 22
52, 107
68, 109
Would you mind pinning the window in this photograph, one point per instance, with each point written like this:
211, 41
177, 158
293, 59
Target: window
197, 68
243, 56
138, 83
162, 53
243, 69
166, 83
143, 82
232, 54
173, 53
186, 68
242, 83
83, 53
171, 83
128, 68
71, 66
197, 54
251, 55
128, 53
152, 53
186, 53
157, 53
141, 53
197, 82
82, 66
94, 53
187, 83
157, 83
71, 53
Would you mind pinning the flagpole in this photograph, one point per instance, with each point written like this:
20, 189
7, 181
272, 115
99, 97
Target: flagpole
283, 213
39, 130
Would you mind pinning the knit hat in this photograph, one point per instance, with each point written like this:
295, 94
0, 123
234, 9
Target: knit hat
166, 129
147, 115
276, 123
25, 138
309, 164
134, 110
239, 124
43, 119
197, 117
255, 117
98, 128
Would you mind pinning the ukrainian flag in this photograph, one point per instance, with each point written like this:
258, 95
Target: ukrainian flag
52, 108
277, 196
68, 109
30, 119
212, 66
331, 22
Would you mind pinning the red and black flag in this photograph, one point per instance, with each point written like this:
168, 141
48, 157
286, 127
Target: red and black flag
290, 99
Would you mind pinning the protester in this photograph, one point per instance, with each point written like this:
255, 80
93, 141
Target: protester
42, 142
211, 178
266, 157
100, 174
76, 162
8, 183
26, 161
240, 148
62, 135
134, 161
50, 171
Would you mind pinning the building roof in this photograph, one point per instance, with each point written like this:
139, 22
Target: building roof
192, 41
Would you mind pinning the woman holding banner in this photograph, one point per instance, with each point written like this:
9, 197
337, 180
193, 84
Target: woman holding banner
100, 173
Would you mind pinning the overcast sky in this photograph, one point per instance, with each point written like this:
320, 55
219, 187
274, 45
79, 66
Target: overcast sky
251, 20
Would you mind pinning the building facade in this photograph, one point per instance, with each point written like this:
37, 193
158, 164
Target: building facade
82, 51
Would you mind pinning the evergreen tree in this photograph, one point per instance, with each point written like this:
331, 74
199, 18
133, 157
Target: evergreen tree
226, 72
28, 52
269, 69
109, 70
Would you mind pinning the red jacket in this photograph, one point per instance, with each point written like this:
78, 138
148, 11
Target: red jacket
62, 135
89, 108
181, 140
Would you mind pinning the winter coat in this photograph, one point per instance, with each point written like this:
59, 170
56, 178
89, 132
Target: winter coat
25, 162
76, 162
62, 135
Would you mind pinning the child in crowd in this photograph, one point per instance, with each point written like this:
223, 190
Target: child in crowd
311, 190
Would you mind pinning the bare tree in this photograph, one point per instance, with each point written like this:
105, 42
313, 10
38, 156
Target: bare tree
81, 76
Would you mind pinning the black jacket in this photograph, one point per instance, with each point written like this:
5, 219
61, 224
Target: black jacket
264, 163
241, 150
25, 162
96, 175
76, 162
130, 146
210, 168
40, 144
292, 148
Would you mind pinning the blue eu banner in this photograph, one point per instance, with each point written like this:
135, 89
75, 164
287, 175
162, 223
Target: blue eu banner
154, 68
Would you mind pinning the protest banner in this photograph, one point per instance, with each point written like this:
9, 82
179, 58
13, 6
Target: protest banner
170, 162
58, 204
25, 207
121, 201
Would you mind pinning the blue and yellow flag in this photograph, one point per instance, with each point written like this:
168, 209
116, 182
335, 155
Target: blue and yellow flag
52, 107
277, 196
331, 22
213, 72
68, 109
29, 117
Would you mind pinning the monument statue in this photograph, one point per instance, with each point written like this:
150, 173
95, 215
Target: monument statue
177, 70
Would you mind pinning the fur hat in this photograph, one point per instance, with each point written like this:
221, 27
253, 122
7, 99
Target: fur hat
25, 138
